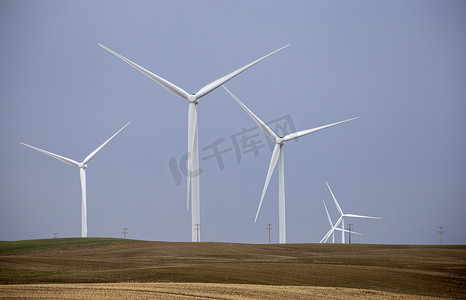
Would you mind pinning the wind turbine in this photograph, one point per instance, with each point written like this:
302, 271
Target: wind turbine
193, 151
82, 172
276, 155
343, 215
332, 228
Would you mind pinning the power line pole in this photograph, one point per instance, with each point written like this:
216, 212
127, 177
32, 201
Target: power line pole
350, 226
125, 231
197, 229
55, 235
440, 231
269, 227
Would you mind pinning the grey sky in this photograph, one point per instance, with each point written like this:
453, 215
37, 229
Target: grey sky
398, 65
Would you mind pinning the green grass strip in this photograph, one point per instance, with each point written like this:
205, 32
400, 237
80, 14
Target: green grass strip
12, 247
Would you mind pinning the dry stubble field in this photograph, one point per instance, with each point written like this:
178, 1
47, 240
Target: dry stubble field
191, 291
113, 268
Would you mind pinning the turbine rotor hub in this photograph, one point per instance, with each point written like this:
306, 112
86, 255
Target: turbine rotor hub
192, 99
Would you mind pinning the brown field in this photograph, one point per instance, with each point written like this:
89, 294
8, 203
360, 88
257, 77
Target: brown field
112, 268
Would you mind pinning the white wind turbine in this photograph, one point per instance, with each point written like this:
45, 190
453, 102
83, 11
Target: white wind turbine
82, 172
342, 217
332, 228
193, 151
278, 153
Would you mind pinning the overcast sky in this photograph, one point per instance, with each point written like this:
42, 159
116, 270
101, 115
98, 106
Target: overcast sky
398, 65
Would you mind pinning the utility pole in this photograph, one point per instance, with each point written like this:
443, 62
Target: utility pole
55, 235
350, 226
125, 231
269, 227
197, 229
440, 231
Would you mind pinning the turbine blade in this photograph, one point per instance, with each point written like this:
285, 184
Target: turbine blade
273, 162
359, 216
335, 200
216, 83
338, 222
163, 82
192, 126
56, 156
298, 134
94, 153
328, 216
326, 236
329, 233
258, 121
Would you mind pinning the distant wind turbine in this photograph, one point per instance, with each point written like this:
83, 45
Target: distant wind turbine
278, 153
332, 228
82, 172
193, 148
342, 217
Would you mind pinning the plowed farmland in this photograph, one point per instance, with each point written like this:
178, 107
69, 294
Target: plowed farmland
230, 271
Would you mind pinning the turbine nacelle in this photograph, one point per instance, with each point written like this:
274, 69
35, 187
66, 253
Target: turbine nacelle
193, 99
291, 136
279, 141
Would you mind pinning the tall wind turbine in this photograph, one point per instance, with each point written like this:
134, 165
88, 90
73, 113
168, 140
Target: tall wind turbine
193, 148
276, 155
332, 228
82, 172
343, 215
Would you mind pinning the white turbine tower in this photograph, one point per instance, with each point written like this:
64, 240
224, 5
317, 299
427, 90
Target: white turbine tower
193, 151
332, 228
278, 154
82, 172
342, 216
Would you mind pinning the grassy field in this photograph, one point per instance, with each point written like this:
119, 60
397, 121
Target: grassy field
407, 269
30, 245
